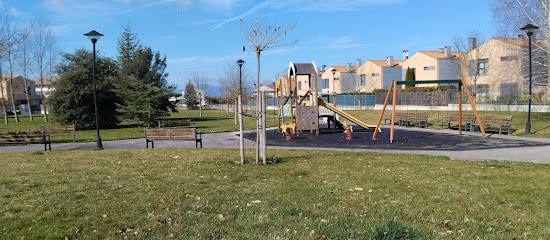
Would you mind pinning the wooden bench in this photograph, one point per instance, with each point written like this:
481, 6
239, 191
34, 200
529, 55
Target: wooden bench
418, 119
55, 130
26, 138
398, 116
188, 134
494, 122
452, 120
175, 123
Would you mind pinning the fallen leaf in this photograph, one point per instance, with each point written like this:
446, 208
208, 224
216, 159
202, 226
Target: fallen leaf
161, 199
358, 189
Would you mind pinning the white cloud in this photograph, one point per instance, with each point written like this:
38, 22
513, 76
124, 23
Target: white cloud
342, 43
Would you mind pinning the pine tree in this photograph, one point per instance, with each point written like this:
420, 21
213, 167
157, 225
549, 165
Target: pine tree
72, 102
127, 44
191, 98
409, 76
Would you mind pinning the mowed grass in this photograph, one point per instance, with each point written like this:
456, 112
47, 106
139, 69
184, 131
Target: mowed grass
165, 193
211, 121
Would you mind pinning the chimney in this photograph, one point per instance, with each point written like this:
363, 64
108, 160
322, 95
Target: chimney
324, 67
358, 63
447, 51
390, 61
405, 55
349, 67
471, 43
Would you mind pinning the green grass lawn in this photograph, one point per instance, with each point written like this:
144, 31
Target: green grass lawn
211, 121
164, 193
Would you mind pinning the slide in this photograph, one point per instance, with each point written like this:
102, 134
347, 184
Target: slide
345, 115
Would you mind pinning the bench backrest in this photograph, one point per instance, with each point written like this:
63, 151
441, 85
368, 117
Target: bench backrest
496, 119
169, 134
52, 130
453, 117
175, 123
418, 116
22, 137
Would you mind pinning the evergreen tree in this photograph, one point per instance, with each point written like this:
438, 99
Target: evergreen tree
190, 95
409, 76
144, 88
127, 44
72, 102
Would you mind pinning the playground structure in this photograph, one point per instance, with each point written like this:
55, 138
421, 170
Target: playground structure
461, 83
302, 111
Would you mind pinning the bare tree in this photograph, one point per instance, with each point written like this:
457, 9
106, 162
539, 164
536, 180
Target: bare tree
201, 83
41, 39
11, 35
24, 65
263, 36
473, 59
229, 81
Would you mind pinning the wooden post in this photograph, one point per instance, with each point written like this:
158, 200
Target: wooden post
235, 108
393, 110
333, 113
241, 127
383, 110
291, 100
278, 109
473, 107
460, 108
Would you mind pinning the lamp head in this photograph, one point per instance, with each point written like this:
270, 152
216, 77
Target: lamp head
240, 62
529, 29
93, 35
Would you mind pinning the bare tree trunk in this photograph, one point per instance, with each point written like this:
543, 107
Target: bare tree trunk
27, 94
264, 137
12, 91
258, 109
4, 109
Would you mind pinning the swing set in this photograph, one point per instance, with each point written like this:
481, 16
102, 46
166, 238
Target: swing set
393, 88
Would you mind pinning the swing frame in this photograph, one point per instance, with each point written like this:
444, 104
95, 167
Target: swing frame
393, 87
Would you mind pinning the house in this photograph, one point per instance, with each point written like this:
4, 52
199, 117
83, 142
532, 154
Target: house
378, 74
44, 86
500, 67
338, 79
433, 65
18, 83
269, 89
303, 75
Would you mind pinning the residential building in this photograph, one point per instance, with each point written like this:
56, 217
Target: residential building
338, 79
269, 89
500, 67
378, 74
44, 86
21, 103
433, 65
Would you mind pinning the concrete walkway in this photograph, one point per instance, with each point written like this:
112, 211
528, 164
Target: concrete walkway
469, 146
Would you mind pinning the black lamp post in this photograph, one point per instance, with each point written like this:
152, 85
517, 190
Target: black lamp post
529, 30
94, 36
241, 63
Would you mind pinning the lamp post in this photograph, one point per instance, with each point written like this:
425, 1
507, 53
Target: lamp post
529, 29
240, 109
94, 36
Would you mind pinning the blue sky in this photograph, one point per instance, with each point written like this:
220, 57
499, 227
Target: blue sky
204, 36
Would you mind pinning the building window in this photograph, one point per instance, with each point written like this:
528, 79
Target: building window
375, 74
479, 67
429, 68
324, 83
299, 85
508, 58
483, 67
363, 81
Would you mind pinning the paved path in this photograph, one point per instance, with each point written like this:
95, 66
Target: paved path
407, 140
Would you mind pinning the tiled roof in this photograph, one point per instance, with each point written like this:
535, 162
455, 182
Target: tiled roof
438, 54
520, 42
5, 78
344, 69
384, 63
47, 81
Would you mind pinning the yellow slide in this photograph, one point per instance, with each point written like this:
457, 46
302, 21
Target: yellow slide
346, 116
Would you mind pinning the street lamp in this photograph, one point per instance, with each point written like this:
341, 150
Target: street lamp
241, 63
240, 109
94, 36
529, 29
